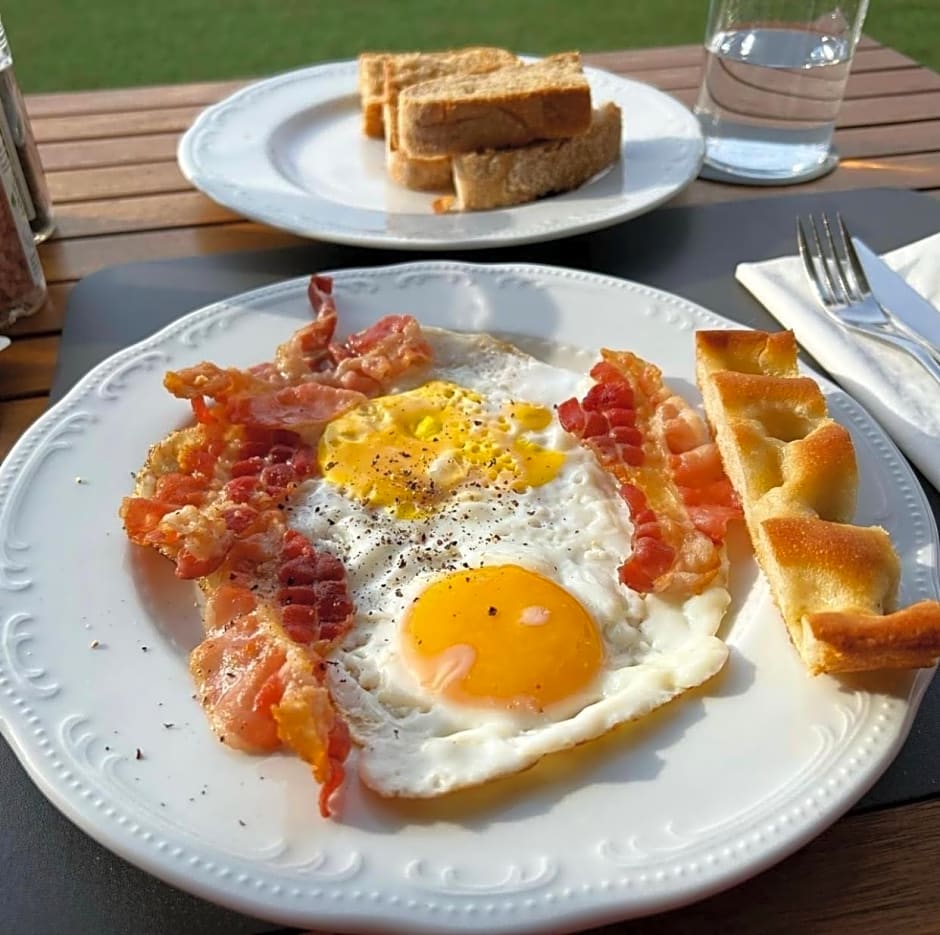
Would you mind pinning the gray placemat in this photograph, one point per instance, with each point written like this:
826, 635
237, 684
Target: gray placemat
689, 251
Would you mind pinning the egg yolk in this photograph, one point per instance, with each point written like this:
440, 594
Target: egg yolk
408, 451
501, 636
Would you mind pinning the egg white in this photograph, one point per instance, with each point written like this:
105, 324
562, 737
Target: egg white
574, 530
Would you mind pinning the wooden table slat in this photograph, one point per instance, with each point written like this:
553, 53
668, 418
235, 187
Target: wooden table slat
103, 126
138, 213
112, 151
880, 110
16, 417
27, 367
48, 319
144, 178
74, 259
861, 84
888, 140
866, 112
130, 99
869, 58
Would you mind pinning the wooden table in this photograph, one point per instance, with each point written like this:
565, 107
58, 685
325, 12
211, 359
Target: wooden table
111, 163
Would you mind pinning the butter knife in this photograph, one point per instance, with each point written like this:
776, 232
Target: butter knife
894, 293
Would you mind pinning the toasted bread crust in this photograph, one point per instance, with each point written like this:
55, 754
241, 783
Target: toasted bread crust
508, 107
420, 175
498, 178
795, 472
854, 642
371, 91
765, 352
372, 120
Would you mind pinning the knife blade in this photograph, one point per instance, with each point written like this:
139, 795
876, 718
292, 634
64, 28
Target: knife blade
895, 294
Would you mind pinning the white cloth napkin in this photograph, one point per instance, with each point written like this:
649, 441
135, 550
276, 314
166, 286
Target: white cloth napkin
895, 389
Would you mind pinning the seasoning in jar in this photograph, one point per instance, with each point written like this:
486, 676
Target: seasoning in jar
17, 134
22, 284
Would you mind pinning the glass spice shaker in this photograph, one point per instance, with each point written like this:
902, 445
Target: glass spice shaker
22, 284
17, 134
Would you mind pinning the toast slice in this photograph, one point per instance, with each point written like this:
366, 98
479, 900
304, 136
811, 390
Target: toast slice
548, 100
423, 66
498, 178
371, 91
794, 470
403, 71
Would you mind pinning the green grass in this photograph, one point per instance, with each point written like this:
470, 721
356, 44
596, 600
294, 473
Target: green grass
117, 43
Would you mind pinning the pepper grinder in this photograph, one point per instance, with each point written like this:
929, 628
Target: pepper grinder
17, 136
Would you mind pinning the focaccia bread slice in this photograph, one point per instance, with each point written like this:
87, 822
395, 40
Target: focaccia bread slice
794, 470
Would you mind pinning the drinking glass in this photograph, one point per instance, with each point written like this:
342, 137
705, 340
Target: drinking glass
775, 72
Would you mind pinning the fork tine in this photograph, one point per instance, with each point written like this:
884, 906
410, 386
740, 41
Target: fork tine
852, 256
823, 264
840, 261
807, 258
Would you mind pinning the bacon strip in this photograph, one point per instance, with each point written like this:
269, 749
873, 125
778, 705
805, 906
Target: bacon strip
259, 672
211, 499
668, 470
232, 406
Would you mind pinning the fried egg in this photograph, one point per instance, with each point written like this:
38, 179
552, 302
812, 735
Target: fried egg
482, 546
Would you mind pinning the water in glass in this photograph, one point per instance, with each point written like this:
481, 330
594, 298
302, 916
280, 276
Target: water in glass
769, 100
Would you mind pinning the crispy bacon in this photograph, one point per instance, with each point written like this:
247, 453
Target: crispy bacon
207, 380
309, 348
211, 499
312, 377
259, 674
305, 408
668, 471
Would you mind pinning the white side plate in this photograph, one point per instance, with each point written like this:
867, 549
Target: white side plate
289, 151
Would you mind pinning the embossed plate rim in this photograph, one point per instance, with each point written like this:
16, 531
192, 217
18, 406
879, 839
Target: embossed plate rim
244, 175
567, 883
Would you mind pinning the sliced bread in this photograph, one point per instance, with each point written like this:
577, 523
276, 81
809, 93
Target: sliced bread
403, 71
502, 108
498, 178
429, 64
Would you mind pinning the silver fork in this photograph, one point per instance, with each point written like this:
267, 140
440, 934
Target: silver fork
834, 269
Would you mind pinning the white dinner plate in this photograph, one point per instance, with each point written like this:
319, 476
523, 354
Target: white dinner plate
96, 698
289, 151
